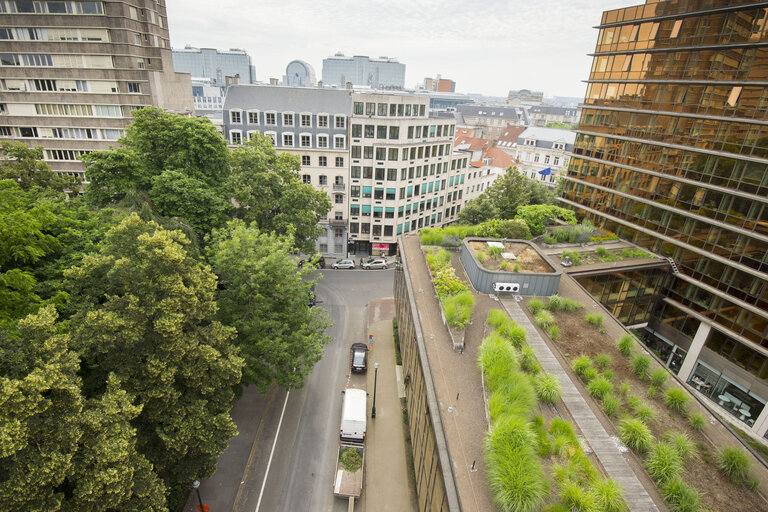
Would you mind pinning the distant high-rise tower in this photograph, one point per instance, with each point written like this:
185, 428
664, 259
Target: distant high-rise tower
381, 73
672, 154
72, 72
214, 64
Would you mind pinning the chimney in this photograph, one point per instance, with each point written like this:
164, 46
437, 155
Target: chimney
349, 85
273, 81
320, 84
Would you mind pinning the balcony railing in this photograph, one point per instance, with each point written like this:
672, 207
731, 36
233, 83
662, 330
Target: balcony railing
339, 188
337, 222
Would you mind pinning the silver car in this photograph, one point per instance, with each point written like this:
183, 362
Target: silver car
374, 264
343, 264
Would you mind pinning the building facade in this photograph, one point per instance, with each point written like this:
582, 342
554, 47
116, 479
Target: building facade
525, 97
489, 121
382, 73
543, 154
72, 72
208, 98
540, 115
311, 123
672, 154
439, 84
214, 64
299, 74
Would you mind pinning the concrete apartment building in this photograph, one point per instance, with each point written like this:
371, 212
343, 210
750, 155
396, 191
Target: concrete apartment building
214, 64
671, 154
539, 149
540, 115
382, 73
72, 72
386, 163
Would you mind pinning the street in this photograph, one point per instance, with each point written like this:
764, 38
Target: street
294, 471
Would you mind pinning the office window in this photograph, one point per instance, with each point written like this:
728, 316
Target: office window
367, 172
340, 121
354, 227
382, 109
306, 178
234, 116
369, 131
388, 229
355, 171
379, 174
367, 192
288, 139
339, 161
365, 227
134, 87
368, 152
546, 159
357, 130
381, 153
356, 152
391, 193
370, 109
306, 141
354, 191
338, 141
253, 118
270, 118
392, 110
322, 121
305, 160
381, 132
358, 108
322, 161
392, 174
287, 119
378, 193
323, 179
306, 120
354, 210
556, 160
393, 153
394, 132
322, 141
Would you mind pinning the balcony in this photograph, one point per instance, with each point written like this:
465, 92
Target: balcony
339, 188
337, 222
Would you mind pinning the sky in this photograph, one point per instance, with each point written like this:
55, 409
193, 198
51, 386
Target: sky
487, 47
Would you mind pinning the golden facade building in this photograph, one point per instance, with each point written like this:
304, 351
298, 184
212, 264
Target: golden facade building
672, 154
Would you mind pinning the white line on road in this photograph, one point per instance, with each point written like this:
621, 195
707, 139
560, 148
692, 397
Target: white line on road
269, 463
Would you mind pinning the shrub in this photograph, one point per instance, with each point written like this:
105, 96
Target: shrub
535, 305
682, 443
351, 460
544, 319
589, 374
608, 496
663, 463
681, 497
560, 427
640, 365
480, 257
558, 303
576, 498
497, 318
602, 361
652, 391
497, 360
697, 421
458, 309
495, 252
624, 389
446, 283
659, 378
595, 319
599, 387
555, 303
676, 399
547, 388
608, 374
504, 265
734, 463
625, 345
601, 252
516, 335
575, 257
554, 333
645, 412
438, 260
509, 228
611, 405
430, 236
528, 360
581, 364
516, 267
635, 434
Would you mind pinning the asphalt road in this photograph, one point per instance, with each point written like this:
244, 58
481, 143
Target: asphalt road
285, 455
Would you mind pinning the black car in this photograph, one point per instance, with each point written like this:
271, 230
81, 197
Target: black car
359, 357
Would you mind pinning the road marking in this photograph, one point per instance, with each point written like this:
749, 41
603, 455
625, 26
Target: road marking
271, 453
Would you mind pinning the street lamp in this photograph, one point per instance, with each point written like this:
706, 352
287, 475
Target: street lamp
375, 377
196, 487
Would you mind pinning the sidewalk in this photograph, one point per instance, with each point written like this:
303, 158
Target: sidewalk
387, 483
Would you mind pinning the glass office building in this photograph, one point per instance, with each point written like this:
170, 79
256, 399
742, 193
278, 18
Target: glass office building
672, 154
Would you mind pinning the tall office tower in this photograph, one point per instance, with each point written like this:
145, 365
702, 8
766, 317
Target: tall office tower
361, 70
672, 154
214, 64
71, 73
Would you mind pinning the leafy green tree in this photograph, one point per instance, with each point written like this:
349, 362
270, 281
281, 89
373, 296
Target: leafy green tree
508, 192
147, 317
25, 166
539, 193
267, 188
177, 194
478, 210
509, 228
264, 296
537, 216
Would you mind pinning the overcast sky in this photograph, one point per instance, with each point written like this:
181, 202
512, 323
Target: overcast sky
487, 47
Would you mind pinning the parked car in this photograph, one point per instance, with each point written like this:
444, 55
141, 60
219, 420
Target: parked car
358, 357
374, 264
343, 264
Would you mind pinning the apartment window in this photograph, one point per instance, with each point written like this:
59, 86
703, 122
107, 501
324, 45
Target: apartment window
367, 191
368, 152
272, 136
134, 87
306, 140
288, 139
270, 118
410, 131
392, 174
28, 131
236, 137
370, 109
536, 157
394, 132
378, 193
379, 174
381, 153
338, 141
323, 179
140, 63
322, 121
556, 160
322, 161
354, 191
10, 59
392, 110
305, 160
391, 192
358, 108
306, 120
355, 171
357, 130
388, 229
381, 132
365, 227
369, 131
322, 141
339, 161
356, 152
306, 178
354, 227
382, 109
546, 159
253, 118
340, 121
393, 153
376, 227
367, 172
287, 119
6, 131
338, 198
234, 116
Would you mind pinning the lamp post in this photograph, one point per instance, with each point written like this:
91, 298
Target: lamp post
375, 378
196, 487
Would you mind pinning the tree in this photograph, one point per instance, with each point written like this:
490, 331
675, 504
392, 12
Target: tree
264, 296
267, 189
177, 194
478, 210
25, 166
537, 216
539, 193
147, 318
509, 228
508, 192
561, 125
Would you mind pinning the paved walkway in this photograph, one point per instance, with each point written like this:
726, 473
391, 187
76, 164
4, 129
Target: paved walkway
605, 449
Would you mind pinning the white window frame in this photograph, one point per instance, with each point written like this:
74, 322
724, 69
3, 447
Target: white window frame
343, 140
235, 111
310, 119
232, 138
274, 113
305, 134
249, 112
320, 116
251, 133
343, 119
288, 113
327, 141
273, 136
293, 139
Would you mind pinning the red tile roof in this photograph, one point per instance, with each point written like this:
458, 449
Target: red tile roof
509, 135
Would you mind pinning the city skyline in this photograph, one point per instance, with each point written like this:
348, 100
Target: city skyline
501, 39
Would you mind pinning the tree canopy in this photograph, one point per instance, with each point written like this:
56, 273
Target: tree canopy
537, 216
25, 166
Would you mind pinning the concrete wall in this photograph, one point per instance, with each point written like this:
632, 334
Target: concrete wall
530, 283
435, 485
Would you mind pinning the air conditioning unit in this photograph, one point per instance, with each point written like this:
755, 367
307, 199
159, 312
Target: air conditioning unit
506, 287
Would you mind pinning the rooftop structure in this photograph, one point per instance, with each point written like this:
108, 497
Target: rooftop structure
299, 74
214, 64
383, 73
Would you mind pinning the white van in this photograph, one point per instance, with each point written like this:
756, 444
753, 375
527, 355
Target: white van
353, 415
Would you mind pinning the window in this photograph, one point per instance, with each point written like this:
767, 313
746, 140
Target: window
338, 198
322, 161
394, 132
340, 121
339, 161
358, 108
134, 87
322, 121
381, 132
556, 160
370, 109
355, 171
306, 120
393, 153
322, 141
306, 178
365, 227
338, 141
546, 159
272, 136
378, 193
367, 172
354, 210
379, 174
369, 131
354, 227
393, 110
381, 153
270, 118
382, 109
536, 157
288, 139
253, 118
357, 130
356, 152
354, 191
392, 174
323, 179
338, 180
388, 229
287, 119
305, 160
306, 140
236, 137
367, 191
391, 192
368, 152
